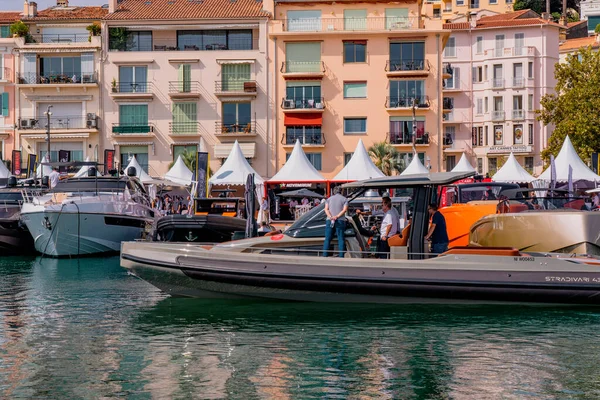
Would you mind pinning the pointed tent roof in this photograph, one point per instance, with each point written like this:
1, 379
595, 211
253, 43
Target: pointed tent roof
4, 172
415, 167
463, 165
83, 171
180, 173
512, 171
235, 169
297, 168
568, 156
43, 170
140, 173
360, 166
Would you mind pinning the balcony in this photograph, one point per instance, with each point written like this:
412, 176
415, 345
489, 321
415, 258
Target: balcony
448, 104
450, 88
58, 123
528, 51
447, 71
518, 114
407, 103
235, 130
306, 139
184, 89
142, 129
405, 138
498, 83
448, 140
61, 80
131, 90
236, 88
174, 45
184, 128
497, 115
518, 82
6, 75
59, 38
314, 104
350, 24
407, 67
303, 69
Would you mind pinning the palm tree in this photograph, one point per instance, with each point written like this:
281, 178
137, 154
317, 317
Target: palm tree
189, 159
385, 157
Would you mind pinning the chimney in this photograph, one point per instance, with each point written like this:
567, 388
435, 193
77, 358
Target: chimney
62, 3
26, 9
473, 17
33, 9
112, 6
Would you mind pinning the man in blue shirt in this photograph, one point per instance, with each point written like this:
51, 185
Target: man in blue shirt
437, 231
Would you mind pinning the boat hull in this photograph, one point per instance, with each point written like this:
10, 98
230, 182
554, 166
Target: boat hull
14, 238
198, 228
197, 272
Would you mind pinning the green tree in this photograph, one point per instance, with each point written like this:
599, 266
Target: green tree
188, 158
575, 108
385, 157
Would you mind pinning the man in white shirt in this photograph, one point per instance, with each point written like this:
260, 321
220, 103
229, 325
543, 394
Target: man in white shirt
389, 227
53, 178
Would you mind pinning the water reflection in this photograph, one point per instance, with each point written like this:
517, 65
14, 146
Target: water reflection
85, 329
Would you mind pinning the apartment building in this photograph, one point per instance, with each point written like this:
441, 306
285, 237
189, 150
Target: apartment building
186, 75
7, 85
498, 68
346, 71
448, 10
57, 82
572, 46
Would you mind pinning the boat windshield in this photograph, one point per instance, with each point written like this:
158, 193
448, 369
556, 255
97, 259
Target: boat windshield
10, 197
90, 185
554, 203
220, 206
312, 224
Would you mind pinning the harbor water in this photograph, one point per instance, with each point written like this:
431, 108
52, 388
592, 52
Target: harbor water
85, 329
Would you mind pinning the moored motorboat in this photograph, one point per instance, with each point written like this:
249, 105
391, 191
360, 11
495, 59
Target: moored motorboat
285, 266
14, 236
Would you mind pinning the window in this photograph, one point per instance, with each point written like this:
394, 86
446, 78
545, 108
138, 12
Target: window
518, 75
460, 2
133, 118
185, 118
139, 152
130, 41
236, 117
347, 158
509, 1
450, 162
530, 70
498, 76
499, 49
518, 102
401, 130
449, 135
437, 13
403, 92
355, 90
485, 105
492, 166
5, 32
477, 136
238, 39
529, 164
59, 68
498, 135
407, 56
308, 20
518, 134
233, 76
310, 135
479, 106
493, 1
355, 51
355, 20
133, 79
477, 74
4, 104
303, 94
498, 106
479, 44
485, 73
314, 158
530, 137
519, 43
178, 150
355, 126
485, 135
73, 149
303, 57
454, 81
480, 165
530, 102
450, 49
593, 21
396, 18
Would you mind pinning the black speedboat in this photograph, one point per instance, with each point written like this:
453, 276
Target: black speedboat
14, 236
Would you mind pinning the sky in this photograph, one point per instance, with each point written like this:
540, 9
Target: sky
17, 5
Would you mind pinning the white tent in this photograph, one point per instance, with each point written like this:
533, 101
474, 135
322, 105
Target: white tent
4, 172
512, 171
83, 171
43, 170
360, 166
180, 173
415, 167
568, 156
297, 168
140, 173
463, 165
235, 170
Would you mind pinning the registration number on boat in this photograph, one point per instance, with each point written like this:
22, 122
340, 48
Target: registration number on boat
524, 259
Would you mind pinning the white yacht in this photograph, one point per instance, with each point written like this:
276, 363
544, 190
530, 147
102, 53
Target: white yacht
88, 215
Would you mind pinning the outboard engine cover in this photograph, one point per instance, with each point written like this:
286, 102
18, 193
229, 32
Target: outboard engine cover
131, 171
92, 171
46, 181
12, 181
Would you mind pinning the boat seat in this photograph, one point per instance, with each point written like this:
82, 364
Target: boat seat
400, 239
485, 251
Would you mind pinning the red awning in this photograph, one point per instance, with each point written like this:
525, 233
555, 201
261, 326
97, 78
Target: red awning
303, 119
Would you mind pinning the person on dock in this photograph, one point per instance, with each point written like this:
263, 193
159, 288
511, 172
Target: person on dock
335, 209
437, 233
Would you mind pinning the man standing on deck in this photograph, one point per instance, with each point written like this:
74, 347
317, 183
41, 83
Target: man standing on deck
437, 231
53, 178
389, 227
335, 208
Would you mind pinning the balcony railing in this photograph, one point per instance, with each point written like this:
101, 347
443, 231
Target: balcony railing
183, 87
407, 65
518, 82
62, 122
236, 86
48, 79
407, 102
447, 69
132, 129
317, 67
173, 45
349, 24
306, 139
448, 140
497, 83
131, 87
315, 103
511, 51
184, 128
58, 38
6, 74
448, 103
406, 138
497, 115
518, 114
236, 128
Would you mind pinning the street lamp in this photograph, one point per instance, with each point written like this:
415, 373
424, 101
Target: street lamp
414, 125
48, 114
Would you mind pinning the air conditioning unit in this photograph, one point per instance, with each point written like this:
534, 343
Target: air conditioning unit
91, 123
25, 124
91, 116
289, 104
319, 106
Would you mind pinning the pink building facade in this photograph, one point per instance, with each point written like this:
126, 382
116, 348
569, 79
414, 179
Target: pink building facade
498, 69
7, 86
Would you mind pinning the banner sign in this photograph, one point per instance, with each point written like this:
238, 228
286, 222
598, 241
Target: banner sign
31, 165
16, 162
63, 156
109, 161
202, 174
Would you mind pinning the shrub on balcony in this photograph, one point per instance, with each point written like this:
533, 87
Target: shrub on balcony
20, 29
94, 30
118, 38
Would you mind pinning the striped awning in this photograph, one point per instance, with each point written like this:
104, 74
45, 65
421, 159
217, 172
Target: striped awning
56, 136
223, 150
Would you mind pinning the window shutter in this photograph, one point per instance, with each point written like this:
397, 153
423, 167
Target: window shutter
5, 104
456, 78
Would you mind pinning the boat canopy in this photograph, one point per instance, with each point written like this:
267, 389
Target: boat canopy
403, 181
